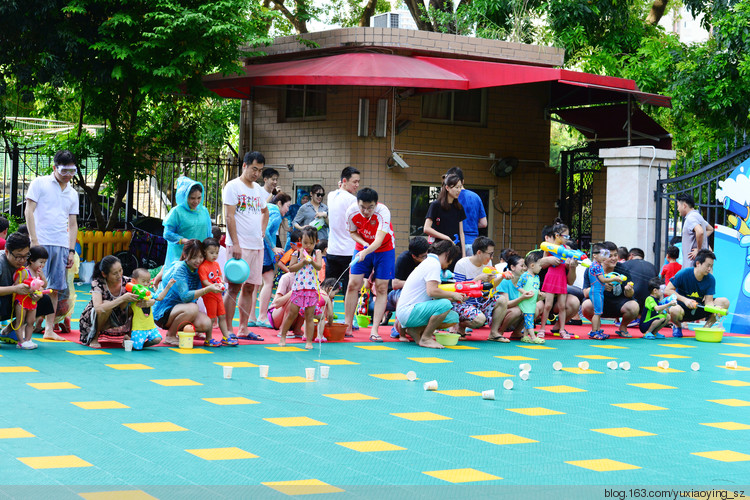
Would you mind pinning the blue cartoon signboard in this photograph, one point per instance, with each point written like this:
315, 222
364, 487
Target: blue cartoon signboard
732, 248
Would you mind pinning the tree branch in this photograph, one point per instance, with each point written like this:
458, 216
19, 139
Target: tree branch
415, 7
299, 25
657, 11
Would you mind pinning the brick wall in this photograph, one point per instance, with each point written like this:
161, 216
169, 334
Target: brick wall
515, 127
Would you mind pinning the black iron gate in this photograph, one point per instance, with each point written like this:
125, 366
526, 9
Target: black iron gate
577, 169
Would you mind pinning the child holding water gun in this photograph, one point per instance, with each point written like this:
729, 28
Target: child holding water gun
306, 287
596, 292
529, 282
556, 281
654, 316
209, 273
25, 305
144, 333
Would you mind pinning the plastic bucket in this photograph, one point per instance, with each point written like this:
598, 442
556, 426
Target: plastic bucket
186, 339
709, 334
334, 332
447, 338
363, 321
236, 271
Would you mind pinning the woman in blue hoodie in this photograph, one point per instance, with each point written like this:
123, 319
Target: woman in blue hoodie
189, 219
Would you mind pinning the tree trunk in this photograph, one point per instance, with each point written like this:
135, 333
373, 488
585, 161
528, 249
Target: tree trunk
364, 21
657, 11
416, 13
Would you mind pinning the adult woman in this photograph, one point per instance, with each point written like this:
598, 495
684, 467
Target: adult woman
107, 312
277, 209
178, 307
312, 210
444, 220
187, 220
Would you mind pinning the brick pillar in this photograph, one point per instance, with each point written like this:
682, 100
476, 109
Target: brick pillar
631, 180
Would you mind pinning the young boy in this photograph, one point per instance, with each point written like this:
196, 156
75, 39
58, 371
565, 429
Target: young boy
209, 273
596, 292
654, 316
529, 281
669, 270
144, 332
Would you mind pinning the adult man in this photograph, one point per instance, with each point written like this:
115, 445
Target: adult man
476, 217
639, 272
406, 262
475, 312
369, 224
247, 217
695, 287
423, 306
340, 243
51, 213
618, 299
270, 182
15, 257
695, 230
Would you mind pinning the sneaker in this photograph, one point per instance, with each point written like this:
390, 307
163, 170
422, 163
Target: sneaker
634, 323
27, 345
394, 333
676, 331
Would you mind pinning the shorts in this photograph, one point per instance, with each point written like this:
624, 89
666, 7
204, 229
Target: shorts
56, 267
338, 266
692, 314
420, 314
254, 259
304, 298
267, 268
140, 337
597, 300
645, 326
214, 305
162, 322
384, 264
528, 321
613, 308
269, 314
469, 310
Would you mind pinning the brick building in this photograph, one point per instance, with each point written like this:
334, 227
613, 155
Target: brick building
357, 95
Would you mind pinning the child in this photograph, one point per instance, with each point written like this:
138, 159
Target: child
596, 292
26, 304
306, 288
209, 273
654, 316
323, 247
669, 270
324, 309
145, 333
529, 281
556, 282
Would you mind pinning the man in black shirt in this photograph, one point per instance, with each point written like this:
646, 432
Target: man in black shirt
406, 262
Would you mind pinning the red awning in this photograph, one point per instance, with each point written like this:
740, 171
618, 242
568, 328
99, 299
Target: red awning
570, 88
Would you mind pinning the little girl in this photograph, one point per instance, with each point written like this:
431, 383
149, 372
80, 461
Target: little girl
145, 333
556, 282
26, 304
324, 307
306, 288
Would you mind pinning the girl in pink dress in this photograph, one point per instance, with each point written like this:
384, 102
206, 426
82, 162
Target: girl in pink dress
556, 281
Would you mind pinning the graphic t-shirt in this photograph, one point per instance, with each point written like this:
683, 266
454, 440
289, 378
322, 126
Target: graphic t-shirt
688, 286
249, 203
368, 228
526, 282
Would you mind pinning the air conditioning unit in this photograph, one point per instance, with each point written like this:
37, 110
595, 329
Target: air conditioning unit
397, 19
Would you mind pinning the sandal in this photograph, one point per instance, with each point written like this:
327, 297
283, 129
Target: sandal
499, 338
229, 342
565, 335
526, 339
649, 336
538, 341
624, 334
598, 335
212, 343
374, 337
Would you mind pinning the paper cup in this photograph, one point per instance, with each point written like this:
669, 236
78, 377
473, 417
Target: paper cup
524, 375
227, 371
411, 376
625, 366
310, 373
490, 394
263, 371
663, 364
524, 367
557, 366
731, 364
508, 384
695, 366
324, 371
432, 385
612, 365
583, 365
128, 345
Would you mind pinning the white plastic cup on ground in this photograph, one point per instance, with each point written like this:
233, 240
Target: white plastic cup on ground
227, 371
432, 385
524, 375
508, 384
695, 366
263, 371
490, 394
625, 366
310, 373
612, 365
663, 364
557, 365
524, 367
128, 345
731, 364
324, 369
411, 376
583, 365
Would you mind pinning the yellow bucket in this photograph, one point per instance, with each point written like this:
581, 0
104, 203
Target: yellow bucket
186, 339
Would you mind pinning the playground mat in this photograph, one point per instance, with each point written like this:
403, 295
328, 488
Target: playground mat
164, 423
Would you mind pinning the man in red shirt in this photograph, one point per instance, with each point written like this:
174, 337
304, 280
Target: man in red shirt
369, 224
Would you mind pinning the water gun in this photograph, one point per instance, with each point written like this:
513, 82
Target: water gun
740, 221
719, 311
141, 291
506, 275
318, 223
364, 300
566, 253
355, 257
620, 277
469, 288
668, 300
36, 285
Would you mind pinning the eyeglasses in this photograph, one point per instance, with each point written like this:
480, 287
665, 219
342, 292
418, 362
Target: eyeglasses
319, 195
67, 170
20, 257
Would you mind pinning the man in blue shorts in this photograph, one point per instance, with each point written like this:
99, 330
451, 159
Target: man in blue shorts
424, 307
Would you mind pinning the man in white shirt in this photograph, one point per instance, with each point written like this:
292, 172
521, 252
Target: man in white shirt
51, 217
340, 243
247, 217
423, 307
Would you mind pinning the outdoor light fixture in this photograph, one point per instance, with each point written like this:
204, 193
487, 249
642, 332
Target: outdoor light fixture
400, 161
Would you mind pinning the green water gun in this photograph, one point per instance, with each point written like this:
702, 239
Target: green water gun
719, 311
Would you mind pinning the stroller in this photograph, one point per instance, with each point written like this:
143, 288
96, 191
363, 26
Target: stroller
147, 249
